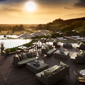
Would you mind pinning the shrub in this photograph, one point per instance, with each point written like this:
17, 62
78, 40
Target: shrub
7, 51
29, 44
13, 49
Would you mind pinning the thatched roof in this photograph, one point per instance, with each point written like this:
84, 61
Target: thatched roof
25, 35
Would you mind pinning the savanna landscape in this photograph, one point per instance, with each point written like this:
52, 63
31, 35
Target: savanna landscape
16, 29
57, 25
42, 42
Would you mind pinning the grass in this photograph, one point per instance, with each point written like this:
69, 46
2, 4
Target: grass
29, 44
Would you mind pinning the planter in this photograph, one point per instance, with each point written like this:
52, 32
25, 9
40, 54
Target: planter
7, 51
2, 48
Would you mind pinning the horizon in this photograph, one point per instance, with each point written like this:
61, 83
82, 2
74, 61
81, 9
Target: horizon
42, 23
40, 11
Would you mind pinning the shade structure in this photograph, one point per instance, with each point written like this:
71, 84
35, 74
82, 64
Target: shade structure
37, 33
47, 34
44, 31
32, 35
25, 35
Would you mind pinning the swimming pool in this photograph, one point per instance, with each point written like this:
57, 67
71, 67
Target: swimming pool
10, 36
10, 43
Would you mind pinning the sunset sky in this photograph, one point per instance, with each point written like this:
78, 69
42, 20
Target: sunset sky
14, 11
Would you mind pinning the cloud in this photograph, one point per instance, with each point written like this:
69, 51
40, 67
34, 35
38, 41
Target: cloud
80, 3
2, 0
68, 8
57, 2
76, 14
40, 1
10, 9
12, 0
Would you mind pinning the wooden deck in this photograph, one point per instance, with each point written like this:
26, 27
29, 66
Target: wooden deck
10, 75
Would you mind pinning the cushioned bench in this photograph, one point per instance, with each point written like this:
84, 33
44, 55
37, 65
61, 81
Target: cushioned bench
64, 54
21, 59
78, 57
26, 61
51, 51
48, 50
53, 74
81, 46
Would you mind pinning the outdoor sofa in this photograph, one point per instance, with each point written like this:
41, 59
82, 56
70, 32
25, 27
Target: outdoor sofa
81, 46
48, 50
53, 74
78, 57
59, 54
55, 43
23, 58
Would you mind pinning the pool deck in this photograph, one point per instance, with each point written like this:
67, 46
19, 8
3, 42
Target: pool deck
11, 75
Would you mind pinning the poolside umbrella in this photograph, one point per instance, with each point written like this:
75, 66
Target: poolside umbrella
37, 33
25, 35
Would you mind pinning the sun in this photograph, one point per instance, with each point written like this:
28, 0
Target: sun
30, 6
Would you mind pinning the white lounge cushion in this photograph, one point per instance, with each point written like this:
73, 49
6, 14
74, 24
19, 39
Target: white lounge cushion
24, 55
63, 64
48, 72
16, 56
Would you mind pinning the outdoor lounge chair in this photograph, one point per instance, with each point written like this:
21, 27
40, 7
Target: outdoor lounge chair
81, 46
48, 52
79, 79
77, 57
64, 54
55, 43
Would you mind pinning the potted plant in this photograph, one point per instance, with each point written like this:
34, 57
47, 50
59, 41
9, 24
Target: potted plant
7, 51
2, 46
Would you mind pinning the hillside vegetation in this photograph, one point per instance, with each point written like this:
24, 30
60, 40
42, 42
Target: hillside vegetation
12, 29
65, 26
58, 25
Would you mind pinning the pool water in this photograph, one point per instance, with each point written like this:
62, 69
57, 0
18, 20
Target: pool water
10, 43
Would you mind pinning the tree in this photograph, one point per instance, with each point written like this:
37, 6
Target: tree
21, 27
40, 26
